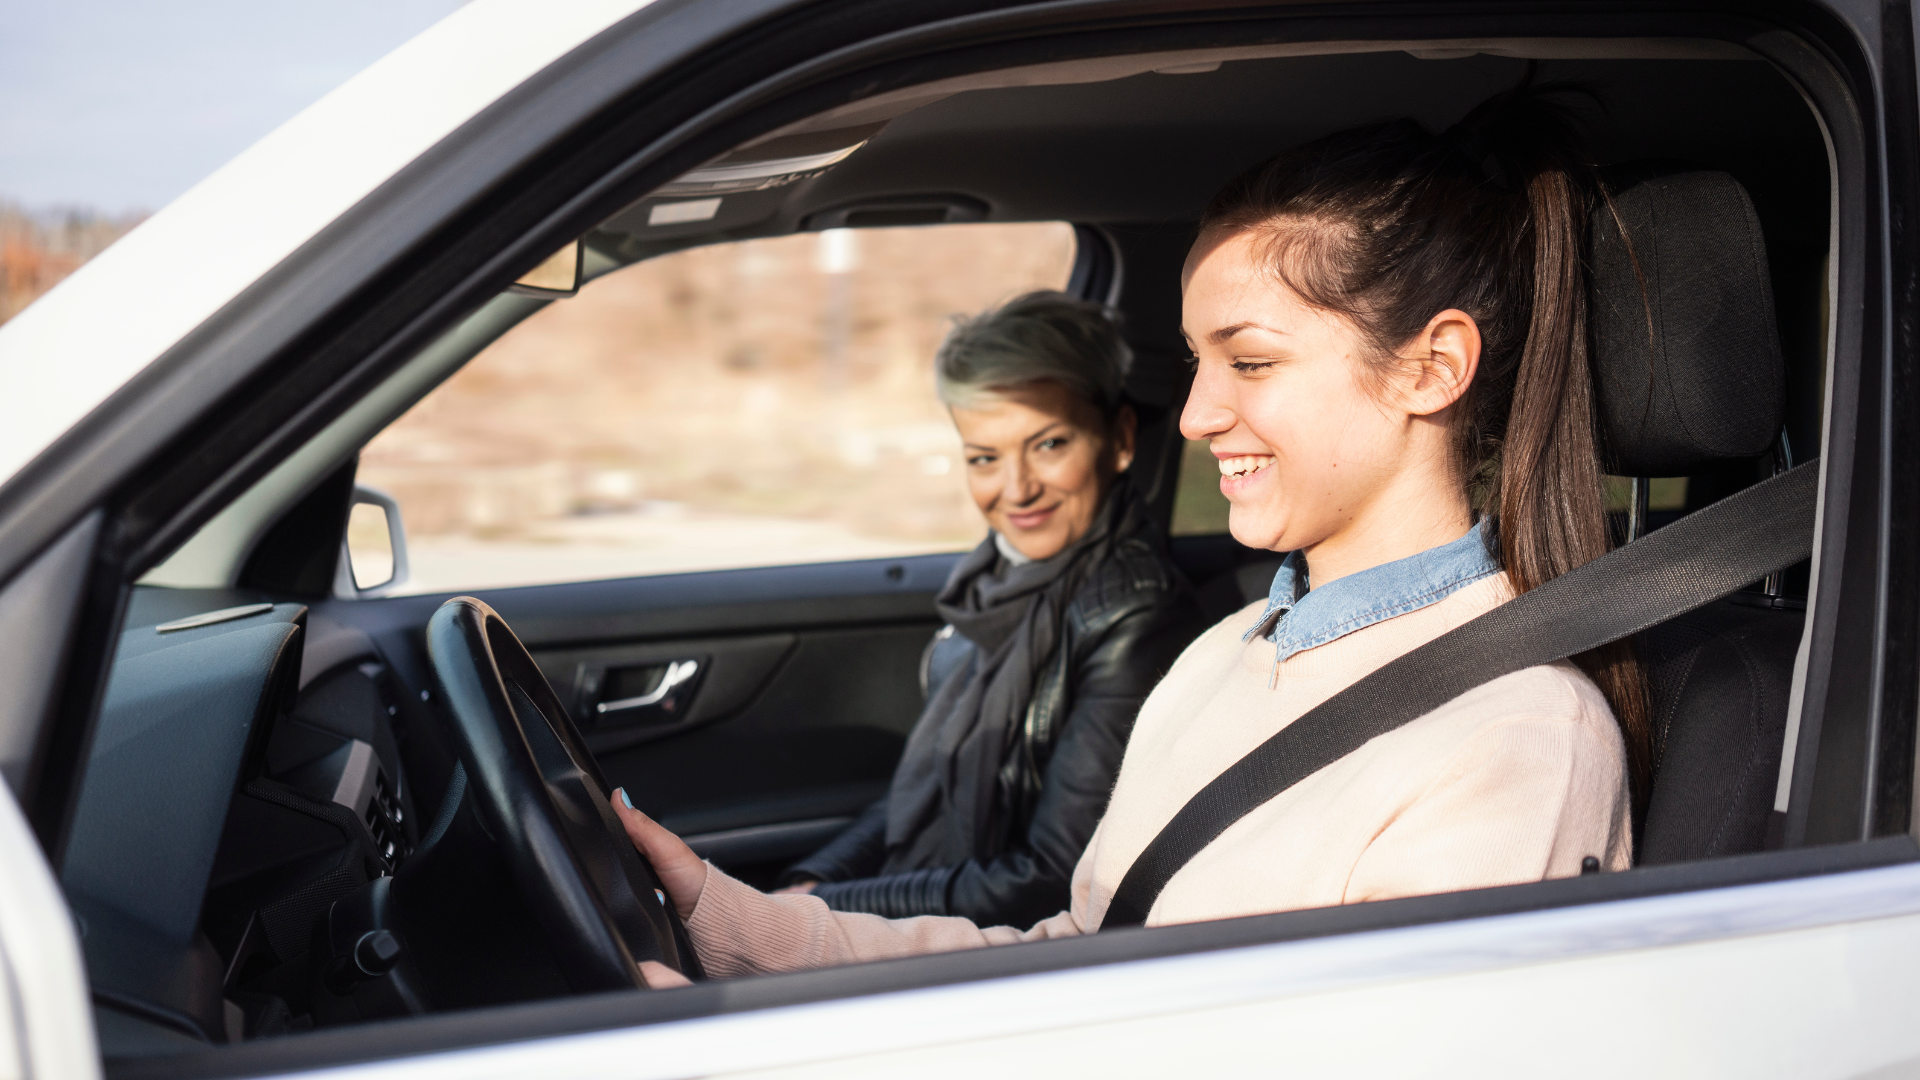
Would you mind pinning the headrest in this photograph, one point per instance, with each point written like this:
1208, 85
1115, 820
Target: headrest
1686, 354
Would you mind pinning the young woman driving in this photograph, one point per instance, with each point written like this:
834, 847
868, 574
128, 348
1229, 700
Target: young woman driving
1388, 327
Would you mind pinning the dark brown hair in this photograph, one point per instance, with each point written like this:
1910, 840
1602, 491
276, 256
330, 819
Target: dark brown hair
1389, 225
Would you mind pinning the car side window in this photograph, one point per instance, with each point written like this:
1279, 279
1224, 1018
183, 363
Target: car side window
757, 403
1198, 507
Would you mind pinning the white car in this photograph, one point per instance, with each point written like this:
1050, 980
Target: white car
237, 842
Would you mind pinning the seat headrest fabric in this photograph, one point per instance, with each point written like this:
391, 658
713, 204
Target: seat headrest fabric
1686, 352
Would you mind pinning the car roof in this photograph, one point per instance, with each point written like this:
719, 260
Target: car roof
86, 338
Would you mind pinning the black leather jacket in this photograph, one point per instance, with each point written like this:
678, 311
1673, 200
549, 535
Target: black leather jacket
1124, 628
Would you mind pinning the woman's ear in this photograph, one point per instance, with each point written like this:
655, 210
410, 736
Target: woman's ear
1122, 429
1445, 355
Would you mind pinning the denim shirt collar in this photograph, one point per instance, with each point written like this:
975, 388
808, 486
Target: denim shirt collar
1297, 619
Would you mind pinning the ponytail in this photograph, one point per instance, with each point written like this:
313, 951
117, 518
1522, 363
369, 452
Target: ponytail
1389, 224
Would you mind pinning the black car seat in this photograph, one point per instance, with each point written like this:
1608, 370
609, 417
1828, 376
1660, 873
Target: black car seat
1230, 590
1689, 377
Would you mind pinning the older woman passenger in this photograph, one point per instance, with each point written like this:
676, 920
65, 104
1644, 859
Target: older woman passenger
1058, 625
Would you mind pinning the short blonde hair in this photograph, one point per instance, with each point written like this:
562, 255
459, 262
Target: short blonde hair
1038, 337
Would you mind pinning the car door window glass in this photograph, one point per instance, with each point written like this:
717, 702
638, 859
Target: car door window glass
1198, 507
758, 403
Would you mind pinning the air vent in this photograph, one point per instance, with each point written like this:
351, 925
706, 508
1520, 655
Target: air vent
384, 817
361, 786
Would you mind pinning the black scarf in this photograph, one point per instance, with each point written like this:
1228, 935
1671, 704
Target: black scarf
940, 809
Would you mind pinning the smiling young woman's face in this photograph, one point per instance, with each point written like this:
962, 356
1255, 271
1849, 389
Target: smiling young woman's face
1312, 447
1039, 460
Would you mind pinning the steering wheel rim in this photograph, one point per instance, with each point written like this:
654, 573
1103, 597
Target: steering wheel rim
597, 899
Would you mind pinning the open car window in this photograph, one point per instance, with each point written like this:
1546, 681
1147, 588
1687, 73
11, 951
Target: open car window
755, 403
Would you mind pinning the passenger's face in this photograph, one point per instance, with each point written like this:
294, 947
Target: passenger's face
1039, 459
1281, 393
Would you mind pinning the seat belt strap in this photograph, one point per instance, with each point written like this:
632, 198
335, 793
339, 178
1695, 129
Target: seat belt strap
1709, 554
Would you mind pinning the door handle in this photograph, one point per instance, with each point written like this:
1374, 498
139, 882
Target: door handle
678, 672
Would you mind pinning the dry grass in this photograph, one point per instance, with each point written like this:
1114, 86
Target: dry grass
37, 251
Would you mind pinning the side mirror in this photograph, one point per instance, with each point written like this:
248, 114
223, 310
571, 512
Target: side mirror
373, 554
558, 275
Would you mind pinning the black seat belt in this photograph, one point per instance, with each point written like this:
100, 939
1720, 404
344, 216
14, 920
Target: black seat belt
1711, 553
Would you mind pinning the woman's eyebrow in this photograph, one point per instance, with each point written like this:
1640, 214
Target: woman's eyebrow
1036, 435
1043, 431
1221, 336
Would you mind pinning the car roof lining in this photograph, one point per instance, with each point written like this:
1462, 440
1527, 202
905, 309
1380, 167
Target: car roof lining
1059, 100
895, 103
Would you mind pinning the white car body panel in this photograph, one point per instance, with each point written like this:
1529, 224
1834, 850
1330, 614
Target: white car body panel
1810, 978
46, 1025
63, 355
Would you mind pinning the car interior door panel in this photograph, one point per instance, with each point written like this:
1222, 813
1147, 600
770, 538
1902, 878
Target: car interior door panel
815, 744
786, 734
628, 695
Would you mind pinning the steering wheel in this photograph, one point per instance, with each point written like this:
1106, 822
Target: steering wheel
540, 793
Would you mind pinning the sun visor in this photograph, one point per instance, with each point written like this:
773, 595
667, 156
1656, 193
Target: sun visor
739, 188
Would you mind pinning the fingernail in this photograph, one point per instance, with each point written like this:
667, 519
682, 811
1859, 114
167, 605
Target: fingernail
624, 799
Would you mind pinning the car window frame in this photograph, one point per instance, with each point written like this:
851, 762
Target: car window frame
1860, 606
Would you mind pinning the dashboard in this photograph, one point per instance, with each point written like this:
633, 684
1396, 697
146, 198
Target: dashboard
245, 774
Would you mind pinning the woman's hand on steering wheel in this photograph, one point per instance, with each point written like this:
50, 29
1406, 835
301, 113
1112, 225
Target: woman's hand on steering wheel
682, 873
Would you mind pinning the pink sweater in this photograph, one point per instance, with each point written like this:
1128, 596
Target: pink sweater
1515, 781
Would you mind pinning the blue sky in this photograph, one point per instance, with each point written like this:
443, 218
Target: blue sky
122, 105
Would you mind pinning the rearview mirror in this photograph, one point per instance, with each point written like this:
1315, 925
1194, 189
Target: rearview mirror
373, 554
558, 276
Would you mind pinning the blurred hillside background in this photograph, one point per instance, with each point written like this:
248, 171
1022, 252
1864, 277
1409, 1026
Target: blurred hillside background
38, 250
